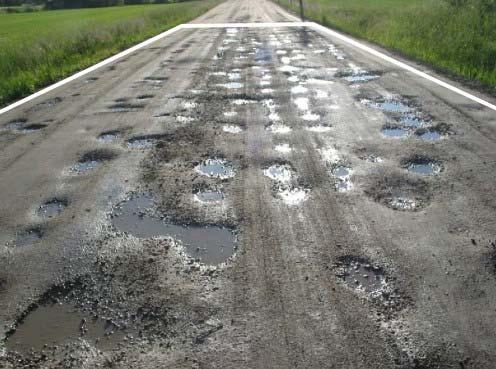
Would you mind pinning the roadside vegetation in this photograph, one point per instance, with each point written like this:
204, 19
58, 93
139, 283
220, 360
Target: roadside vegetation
457, 36
40, 48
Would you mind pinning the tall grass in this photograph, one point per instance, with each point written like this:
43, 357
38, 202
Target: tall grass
37, 49
458, 36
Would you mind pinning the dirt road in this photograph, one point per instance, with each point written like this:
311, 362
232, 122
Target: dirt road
248, 198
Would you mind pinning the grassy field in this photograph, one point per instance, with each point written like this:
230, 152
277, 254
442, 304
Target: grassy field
458, 36
39, 48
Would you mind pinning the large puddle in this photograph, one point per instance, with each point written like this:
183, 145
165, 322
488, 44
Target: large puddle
55, 324
211, 244
217, 168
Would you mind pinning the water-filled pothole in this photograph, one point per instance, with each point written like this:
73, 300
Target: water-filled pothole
342, 174
422, 165
52, 208
109, 136
33, 127
56, 324
212, 244
429, 134
28, 237
414, 121
279, 172
395, 132
217, 168
123, 107
399, 191
15, 125
358, 273
389, 105
231, 85
92, 160
143, 142
209, 196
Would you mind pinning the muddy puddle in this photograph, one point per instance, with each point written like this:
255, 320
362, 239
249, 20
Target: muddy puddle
231, 85
52, 208
279, 172
342, 175
216, 168
402, 203
429, 135
57, 324
389, 106
395, 132
143, 142
109, 136
422, 165
414, 121
92, 160
122, 107
209, 196
28, 237
211, 244
358, 273
21, 126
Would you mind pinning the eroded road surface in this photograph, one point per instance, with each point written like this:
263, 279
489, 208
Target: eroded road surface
248, 198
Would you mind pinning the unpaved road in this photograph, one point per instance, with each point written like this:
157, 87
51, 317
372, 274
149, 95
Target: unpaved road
328, 211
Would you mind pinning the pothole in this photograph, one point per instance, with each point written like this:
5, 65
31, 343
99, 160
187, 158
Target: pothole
232, 129
279, 172
55, 324
293, 196
231, 85
283, 148
143, 142
217, 168
389, 105
318, 128
422, 165
28, 237
209, 196
399, 192
431, 134
15, 125
109, 136
357, 75
342, 175
395, 132
414, 121
123, 107
92, 160
212, 244
372, 158
33, 127
145, 97
52, 208
279, 128
359, 273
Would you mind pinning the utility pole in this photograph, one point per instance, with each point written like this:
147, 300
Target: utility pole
302, 16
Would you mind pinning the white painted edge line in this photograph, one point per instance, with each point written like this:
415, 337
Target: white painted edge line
402, 65
251, 25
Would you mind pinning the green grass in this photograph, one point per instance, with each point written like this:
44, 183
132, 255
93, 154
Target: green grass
458, 39
40, 48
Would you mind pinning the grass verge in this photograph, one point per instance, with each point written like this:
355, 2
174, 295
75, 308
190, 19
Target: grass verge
455, 36
37, 49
